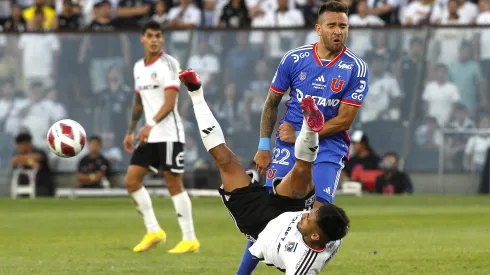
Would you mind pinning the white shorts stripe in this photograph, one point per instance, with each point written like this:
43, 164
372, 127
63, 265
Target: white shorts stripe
169, 155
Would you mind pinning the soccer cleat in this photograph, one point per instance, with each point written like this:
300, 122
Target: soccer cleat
190, 79
313, 116
150, 240
186, 247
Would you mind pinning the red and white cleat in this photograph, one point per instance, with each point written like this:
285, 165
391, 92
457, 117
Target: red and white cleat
313, 116
190, 79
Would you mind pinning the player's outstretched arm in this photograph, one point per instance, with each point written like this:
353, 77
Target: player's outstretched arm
233, 175
299, 181
267, 123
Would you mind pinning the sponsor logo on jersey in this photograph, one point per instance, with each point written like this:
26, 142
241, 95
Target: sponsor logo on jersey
357, 95
345, 66
320, 79
290, 226
302, 76
336, 85
297, 57
290, 247
320, 101
148, 87
309, 202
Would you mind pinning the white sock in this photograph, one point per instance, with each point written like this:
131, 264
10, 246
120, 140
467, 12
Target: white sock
183, 208
145, 207
306, 146
211, 133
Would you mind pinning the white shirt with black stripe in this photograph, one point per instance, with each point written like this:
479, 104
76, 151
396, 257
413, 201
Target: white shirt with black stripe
151, 81
281, 245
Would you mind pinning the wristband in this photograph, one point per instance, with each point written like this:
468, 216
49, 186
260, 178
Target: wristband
151, 123
297, 133
265, 144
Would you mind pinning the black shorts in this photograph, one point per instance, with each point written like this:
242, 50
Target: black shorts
164, 156
253, 207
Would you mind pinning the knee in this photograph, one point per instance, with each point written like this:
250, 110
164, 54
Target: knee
132, 184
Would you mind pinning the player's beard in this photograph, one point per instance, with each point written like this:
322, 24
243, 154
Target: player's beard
333, 49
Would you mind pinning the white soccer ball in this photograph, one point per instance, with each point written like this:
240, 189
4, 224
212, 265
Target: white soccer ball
66, 138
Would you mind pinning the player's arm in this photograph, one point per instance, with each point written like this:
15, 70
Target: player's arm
351, 101
136, 113
269, 113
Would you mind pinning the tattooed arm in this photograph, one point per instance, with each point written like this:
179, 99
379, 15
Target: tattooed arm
269, 114
136, 113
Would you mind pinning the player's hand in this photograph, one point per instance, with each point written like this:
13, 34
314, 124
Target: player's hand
263, 160
287, 133
144, 133
128, 143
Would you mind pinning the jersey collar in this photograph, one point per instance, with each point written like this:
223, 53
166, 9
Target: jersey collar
332, 62
153, 61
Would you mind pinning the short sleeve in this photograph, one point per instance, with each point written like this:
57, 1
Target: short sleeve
135, 80
196, 17
357, 88
171, 76
310, 264
282, 79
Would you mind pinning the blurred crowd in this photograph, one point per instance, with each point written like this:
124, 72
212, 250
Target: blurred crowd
108, 15
429, 87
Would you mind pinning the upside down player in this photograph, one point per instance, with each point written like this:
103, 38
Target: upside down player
295, 242
161, 140
336, 79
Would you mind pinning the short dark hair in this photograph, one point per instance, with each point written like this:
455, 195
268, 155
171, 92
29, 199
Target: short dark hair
151, 25
391, 154
333, 222
23, 137
95, 138
333, 6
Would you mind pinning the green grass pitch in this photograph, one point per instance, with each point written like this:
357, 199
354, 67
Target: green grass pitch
389, 235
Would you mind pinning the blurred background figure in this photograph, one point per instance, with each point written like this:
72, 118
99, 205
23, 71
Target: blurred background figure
94, 168
363, 156
392, 181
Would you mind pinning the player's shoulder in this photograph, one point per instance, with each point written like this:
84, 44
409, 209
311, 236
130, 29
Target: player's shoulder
297, 54
171, 62
139, 64
349, 61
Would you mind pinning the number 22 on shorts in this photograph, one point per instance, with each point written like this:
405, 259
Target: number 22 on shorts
280, 156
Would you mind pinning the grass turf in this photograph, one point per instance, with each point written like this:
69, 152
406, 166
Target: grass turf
389, 235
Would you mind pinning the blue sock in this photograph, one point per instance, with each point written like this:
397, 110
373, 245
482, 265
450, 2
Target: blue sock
248, 263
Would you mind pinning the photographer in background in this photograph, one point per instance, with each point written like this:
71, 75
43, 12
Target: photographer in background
392, 181
94, 168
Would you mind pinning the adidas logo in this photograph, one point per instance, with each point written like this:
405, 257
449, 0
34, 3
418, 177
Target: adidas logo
208, 131
227, 197
320, 79
313, 149
179, 215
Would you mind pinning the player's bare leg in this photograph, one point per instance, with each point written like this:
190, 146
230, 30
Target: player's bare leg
183, 208
299, 181
233, 175
134, 185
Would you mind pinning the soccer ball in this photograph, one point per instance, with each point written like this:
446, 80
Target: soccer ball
66, 138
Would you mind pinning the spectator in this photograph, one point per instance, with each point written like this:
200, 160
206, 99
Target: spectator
364, 155
68, 20
103, 20
386, 10
30, 157
160, 15
210, 19
114, 103
225, 109
456, 143
465, 11
240, 59
439, 96
484, 39
133, 13
362, 18
476, 148
383, 102
428, 136
408, 73
49, 19
254, 97
207, 64
234, 15
7, 104
310, 12
94, 168
186, 16
392, 181
417, 12
41, 50
467, 76
15, 22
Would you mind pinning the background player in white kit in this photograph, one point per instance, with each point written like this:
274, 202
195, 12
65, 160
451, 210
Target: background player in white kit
294, 242
160, 141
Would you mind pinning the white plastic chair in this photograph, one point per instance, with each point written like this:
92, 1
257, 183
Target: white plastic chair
29, 189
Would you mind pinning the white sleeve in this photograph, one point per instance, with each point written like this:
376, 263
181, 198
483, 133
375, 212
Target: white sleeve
134, 79
310, 264
173, 12
171, 76
395, 88
426, 93
256, 250
196, 17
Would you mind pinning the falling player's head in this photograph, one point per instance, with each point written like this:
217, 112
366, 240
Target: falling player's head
332, 25
152, 38
324, 224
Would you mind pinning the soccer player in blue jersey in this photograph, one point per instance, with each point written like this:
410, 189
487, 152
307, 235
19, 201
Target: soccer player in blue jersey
337, 80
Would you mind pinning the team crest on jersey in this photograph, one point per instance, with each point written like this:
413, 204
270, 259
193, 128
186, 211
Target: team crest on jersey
302, 76
309, 202
291, 247
154, 76
271, 173
336, 85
